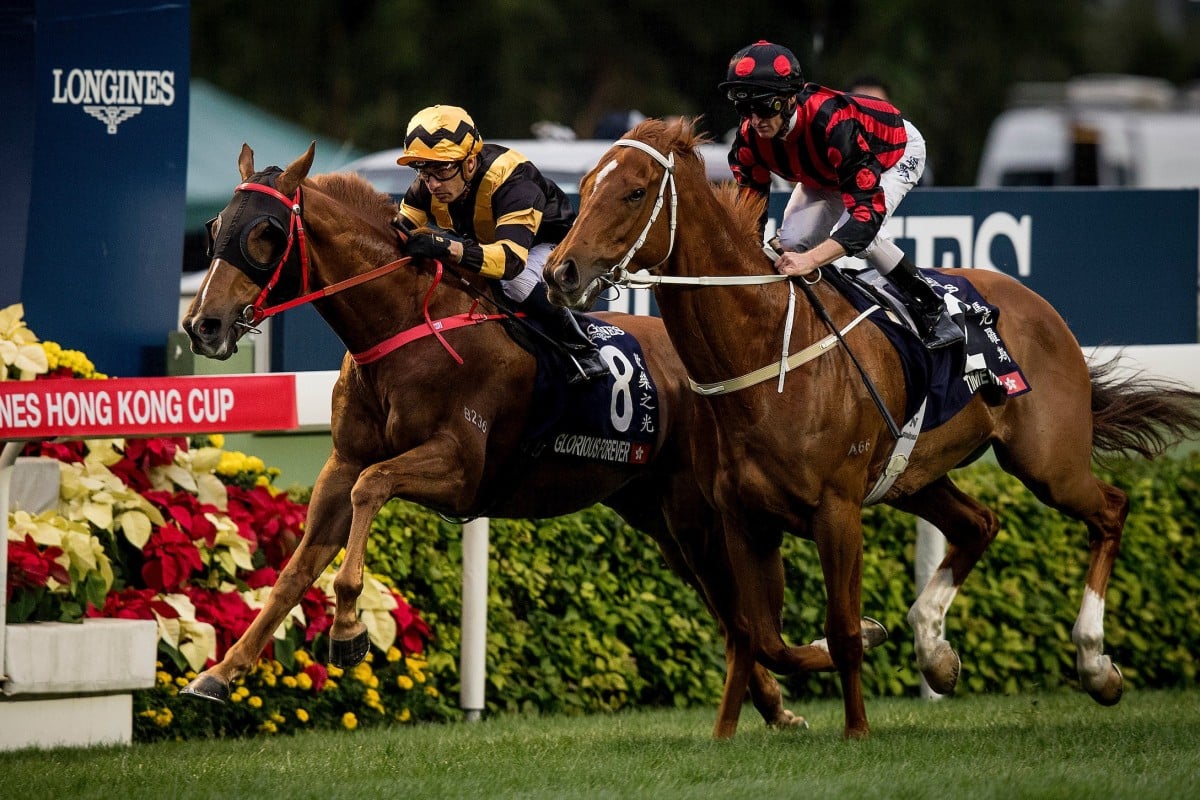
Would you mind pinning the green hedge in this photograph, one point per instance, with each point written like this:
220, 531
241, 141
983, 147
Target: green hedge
583, 615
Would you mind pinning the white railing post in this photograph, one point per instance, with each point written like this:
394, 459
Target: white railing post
473, 658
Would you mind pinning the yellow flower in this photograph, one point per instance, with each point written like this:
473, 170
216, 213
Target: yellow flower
301, 715
304, 681
255, 702
393, 654
181, 682
431, 691
362, 672
164, 718
268, 727
289, 681
405, 715
278, 718
404, 682
335, 672
216, 439
163, 678
329, 686
371, 696
303, 659
349, 721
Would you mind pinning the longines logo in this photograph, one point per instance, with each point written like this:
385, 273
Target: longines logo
114, 95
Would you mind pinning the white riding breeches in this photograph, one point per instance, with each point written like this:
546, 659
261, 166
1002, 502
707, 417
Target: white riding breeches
519, 287
812, 214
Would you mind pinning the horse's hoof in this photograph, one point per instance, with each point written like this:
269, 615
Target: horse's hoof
346, 653
786, 719
943, 669
1109, 692
207, 687
873, 632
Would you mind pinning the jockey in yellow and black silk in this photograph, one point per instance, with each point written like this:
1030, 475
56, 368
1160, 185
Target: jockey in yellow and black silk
497, 215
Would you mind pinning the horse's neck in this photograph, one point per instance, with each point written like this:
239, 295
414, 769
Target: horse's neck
344, 245
725, 331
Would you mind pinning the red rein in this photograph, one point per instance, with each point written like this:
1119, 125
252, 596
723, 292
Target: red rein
430, 327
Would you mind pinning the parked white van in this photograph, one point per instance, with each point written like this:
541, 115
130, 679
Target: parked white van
1102, 131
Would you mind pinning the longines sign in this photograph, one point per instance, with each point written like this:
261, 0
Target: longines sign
113, 95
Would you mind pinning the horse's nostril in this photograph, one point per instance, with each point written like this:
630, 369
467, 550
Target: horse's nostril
567, 276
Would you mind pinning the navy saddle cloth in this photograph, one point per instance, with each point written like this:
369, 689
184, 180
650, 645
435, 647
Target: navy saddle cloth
948, 377
614, 418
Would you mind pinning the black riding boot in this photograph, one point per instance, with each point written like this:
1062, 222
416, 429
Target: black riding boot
928, 311
563, 327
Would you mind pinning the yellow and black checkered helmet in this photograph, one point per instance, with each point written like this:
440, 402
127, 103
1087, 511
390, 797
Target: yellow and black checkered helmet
440, 133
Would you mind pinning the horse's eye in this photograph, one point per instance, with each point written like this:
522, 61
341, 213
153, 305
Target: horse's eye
636, 195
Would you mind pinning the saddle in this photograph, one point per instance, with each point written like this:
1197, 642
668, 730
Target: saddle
613, 418
943, 380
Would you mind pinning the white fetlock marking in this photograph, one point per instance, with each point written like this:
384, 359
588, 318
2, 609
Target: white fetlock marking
927, 617
1088, 636
820, 644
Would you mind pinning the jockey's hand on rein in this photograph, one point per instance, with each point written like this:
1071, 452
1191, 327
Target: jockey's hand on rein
432, 245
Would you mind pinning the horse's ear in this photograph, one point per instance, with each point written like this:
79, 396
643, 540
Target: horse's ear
246, 162
296, 171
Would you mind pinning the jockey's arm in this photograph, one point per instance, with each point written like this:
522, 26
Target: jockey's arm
793, 263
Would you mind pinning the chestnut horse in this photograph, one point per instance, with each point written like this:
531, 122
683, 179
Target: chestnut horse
414, 424
800, 455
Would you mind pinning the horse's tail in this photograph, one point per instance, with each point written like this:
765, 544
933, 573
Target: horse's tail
1139, 414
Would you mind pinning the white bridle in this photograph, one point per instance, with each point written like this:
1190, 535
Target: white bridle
618, 275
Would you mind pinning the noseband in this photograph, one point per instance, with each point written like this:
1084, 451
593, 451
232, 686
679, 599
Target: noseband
257, 311
618, 274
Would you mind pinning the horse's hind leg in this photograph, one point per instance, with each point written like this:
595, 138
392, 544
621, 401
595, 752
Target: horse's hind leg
1052, 457
969, 527
324, 534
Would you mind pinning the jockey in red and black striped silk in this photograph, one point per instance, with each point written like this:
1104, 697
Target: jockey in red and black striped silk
853, 158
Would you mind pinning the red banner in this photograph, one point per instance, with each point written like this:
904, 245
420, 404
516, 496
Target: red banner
90, 409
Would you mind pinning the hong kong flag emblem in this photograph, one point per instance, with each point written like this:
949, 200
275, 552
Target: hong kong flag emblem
639, 453
1014, 383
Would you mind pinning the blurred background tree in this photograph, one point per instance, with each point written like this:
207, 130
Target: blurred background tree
356, 70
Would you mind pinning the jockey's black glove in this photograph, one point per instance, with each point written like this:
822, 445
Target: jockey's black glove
432, 244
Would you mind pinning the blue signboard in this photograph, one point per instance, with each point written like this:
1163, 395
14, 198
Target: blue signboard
102, 143
1120, 265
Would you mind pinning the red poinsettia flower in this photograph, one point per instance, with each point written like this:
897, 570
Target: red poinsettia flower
227, 612
31, 567
275, 522
315, 606
189, 514
261, 577
319, 675
411, 631
170, 559
141, 455
67, 452
133, 603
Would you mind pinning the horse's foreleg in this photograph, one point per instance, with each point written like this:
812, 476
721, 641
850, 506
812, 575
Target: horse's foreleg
324, 534
837, 532
970, 528
426, 474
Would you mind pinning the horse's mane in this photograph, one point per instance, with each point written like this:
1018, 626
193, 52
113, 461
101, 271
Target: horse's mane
679, 135
357, 192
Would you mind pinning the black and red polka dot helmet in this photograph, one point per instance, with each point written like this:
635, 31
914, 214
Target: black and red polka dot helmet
760, 69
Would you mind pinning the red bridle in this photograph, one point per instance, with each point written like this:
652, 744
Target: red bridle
257, 311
